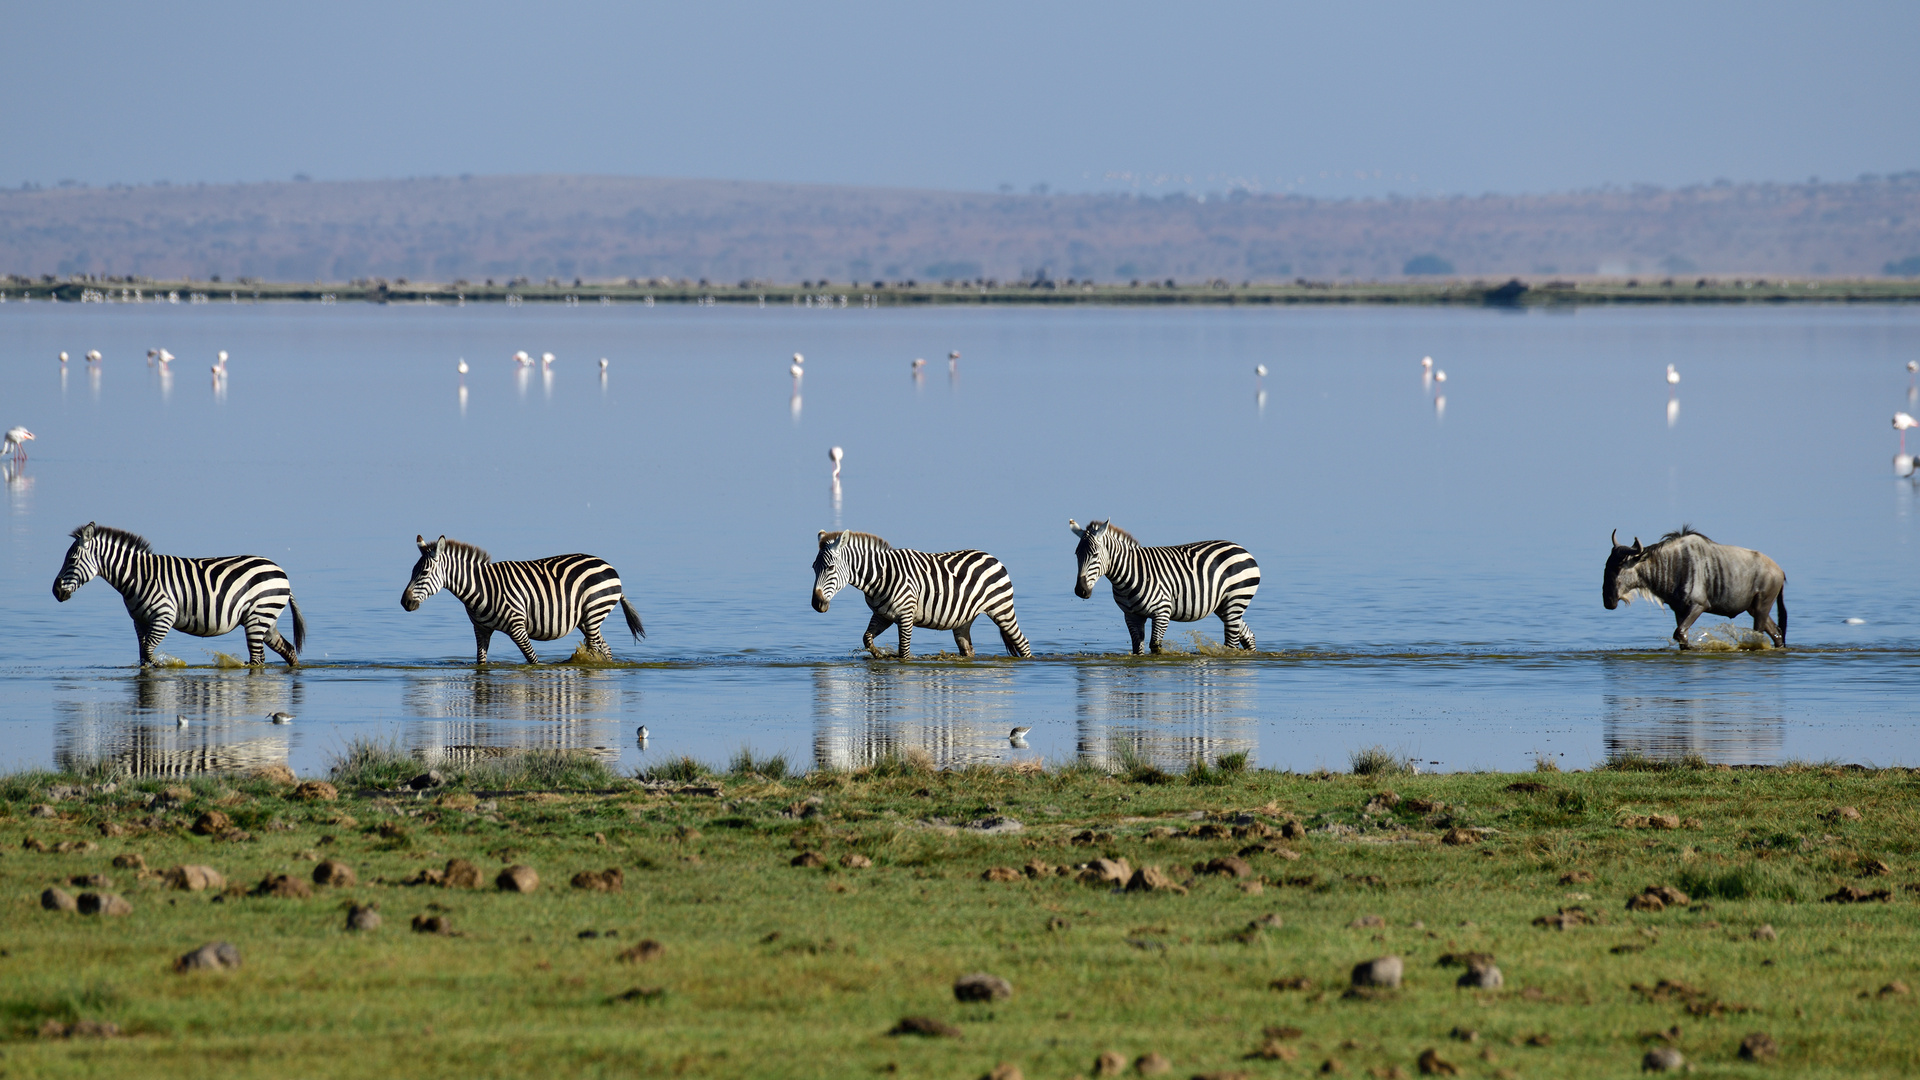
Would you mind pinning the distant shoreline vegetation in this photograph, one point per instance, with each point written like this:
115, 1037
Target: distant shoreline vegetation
1431, 288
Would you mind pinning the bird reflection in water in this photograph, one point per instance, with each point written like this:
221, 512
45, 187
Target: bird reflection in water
835, 455
520, 381
19, 485
1673, 411
1260, 391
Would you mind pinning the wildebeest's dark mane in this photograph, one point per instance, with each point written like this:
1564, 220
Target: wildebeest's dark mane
108, 532
1684, 530
461, 545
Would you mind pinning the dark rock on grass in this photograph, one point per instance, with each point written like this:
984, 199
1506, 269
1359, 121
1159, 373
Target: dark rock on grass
1850, 894
1293, 830
58, 900
808, 860
1874, 868
1383, 972
1152, 1065
924, 1025
1224, 1074
212, 823
335, 873
853, 860
89, 903
1843, 813
1273, 1050
432, 924
429, 779
284, 886
363, 917
1662, 1059
1528, 786
194, 878
1577, 877
1671, 896
645, 995
1432, 1064
1759, 1046
1036, 869
1001, 874
1332, 1067
90, 881
43, 810
1107, 872
1110, 1063
1765, 932
129, 860
981, 986
1231, 866
1896, 988
648, 949
1460, 837
1481, 977
517, 879
316, 791
213, 956
609, 880
1154, 879
1646, 902
461, 874
1006, 1070
1464, 1034
1540, 1039
80, 1029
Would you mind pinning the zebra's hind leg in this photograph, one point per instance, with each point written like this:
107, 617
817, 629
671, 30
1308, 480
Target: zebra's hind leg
482, 637
596, 644
1239, 635
1010, 635
963, 640
278, 644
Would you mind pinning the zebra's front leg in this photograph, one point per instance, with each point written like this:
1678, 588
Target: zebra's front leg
1137, 630
151, 634
963, 640
875, 627
906, 638
482, 637
1159, 632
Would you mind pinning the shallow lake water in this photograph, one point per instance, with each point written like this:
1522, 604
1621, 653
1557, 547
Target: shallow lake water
1431, 552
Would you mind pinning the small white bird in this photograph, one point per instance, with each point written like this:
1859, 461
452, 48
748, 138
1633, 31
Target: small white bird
16, 443
179, 721
954, 355
223, 357
1855, 622
280, 717
603, 363
1673, 376
1018, 733
796, 371
1903, 465
1439, 376
953, 361
463, 365
166, 357
63, 356
522, 358
93, 356
152, 355
546, 359
643, 733
1427, 362
918, 363
835, 455
1913, 366
798, 359
1260, 370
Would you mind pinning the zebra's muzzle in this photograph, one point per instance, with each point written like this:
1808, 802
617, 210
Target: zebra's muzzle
1083, 590
820, 602
62, 591
409, 602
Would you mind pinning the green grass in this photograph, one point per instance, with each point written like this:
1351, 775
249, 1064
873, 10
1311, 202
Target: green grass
774, 970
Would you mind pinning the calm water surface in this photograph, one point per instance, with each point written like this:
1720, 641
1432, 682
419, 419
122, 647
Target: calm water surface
1431, 570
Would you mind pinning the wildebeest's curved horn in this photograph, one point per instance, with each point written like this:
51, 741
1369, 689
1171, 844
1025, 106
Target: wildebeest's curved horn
1615, 538
1636, 543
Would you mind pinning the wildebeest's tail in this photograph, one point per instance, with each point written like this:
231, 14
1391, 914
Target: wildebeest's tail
633, 619
1780, 605
299, 626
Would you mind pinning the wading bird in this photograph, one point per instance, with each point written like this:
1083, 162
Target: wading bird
1426, 362
643, 734
463, 365
835, 455
1260, 370
93, 356
63, 356
546, 360
953, 360
603, 363
798, 359
918, 363
1439, 376
16, 443
522, 358
1901, 422
179, 721
280, 717
1673, 377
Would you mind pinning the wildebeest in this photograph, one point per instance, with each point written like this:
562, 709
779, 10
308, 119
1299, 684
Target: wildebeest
1695, 576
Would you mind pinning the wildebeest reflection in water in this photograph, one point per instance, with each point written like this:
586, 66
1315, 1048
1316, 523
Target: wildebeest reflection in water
227, 730
1663, 711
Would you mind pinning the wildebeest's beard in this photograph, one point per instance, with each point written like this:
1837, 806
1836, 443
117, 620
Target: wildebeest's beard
1621, 579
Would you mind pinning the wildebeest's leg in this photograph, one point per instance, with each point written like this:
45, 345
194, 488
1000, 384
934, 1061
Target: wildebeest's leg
1136, 629
517, 630
875, 627
482, 637
963, 639
1683, 621
1159, 631
1764, 624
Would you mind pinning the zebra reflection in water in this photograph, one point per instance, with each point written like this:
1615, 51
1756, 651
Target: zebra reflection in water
141, 736
1167, 716
475, 715
956, 716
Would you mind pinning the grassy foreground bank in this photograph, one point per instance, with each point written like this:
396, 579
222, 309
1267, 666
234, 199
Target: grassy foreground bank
762, 925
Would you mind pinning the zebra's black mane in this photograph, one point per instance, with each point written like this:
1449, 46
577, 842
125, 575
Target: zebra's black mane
1685, 530
460, 545
107, 532
869, 536
1122, 534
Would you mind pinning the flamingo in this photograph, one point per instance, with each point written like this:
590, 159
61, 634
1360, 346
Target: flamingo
796, 371
165, 357
63, 356
1901, 422
1426, 362
953, 361
16, 441
546, 360
835, 455
1260, 370
603, 363
463, 365
93, 356
151, 355
798, 359
918, 363
1439, 376
1673, 377
522, 358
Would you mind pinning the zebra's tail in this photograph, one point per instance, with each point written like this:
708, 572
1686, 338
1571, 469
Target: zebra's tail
299, 626
633, 619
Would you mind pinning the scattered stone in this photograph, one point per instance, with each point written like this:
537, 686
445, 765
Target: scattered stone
981, 986
648, 949
1107, 872
80, 1029
432, 924
1759, 1046
211, 823
1291, 982
1765, 932
1088, 838
1110, 1063
1274, 1050
1457, 837
1252, 888
1332, 1067
363, 917
1647, 902
285, 886
1230, 865
808, 860
1001, 873
91, 881
1382, 972
1036, 869
1293, 830
1224, 1074
429, 779
1874, 868
609, 880
924, 1025
461, 874
1844, 813
646, 995
334, 872
853, 860
1541, 1039
517, 879
1368, 922
996, 825
1663, 821
273, 774
1896, 988
43, 810
58, 900
1662, 1059
316, 791
213, 956
1006, 1070
130, 860
1850, 894
1577, 877
1151, 1064
1464, 1034
1432, 1064
1154, 879
1481, 977
1672, 896
194, 878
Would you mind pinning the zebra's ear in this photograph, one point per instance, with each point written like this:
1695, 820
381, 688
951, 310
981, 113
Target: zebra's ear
421, 542
823, 536
1074, 527
86, 533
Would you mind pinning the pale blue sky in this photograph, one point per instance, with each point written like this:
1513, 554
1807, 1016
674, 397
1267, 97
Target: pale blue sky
1327, 99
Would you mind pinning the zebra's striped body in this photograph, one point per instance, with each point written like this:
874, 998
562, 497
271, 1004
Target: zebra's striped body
202, 597
944, 591
536, 600
1181, 583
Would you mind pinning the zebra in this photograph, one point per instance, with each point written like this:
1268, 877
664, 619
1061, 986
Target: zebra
534, 600
202, 597
944, 591
1182, 583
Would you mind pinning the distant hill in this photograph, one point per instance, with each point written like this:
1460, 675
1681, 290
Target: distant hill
600, 227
